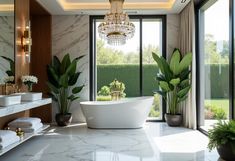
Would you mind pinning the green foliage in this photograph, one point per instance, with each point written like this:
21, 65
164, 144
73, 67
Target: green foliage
116, 85
222, 133
10, 72
218, 77
103, 98
62, 76
108, 55
129, 74
174, 79
212, 55
104, 91
155, 109
214, 112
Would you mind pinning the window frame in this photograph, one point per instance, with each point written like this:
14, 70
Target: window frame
92, 58
199, 31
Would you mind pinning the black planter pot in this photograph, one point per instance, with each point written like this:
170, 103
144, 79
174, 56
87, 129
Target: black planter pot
225, 151
173, 120
63, 119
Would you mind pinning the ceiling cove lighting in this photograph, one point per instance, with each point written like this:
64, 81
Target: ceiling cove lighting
6, 7
69, 5
116, 28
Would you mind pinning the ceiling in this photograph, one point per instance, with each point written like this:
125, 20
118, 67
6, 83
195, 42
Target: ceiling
100, 7
6, 7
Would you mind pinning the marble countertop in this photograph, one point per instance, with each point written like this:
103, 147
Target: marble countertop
4, 111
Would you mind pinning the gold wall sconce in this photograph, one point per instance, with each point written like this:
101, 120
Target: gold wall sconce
26, 41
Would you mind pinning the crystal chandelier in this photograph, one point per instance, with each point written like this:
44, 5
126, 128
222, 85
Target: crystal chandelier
117, 27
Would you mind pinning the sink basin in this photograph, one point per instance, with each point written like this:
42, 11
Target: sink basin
8, 100
30, 96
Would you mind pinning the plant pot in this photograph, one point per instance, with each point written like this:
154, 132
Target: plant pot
173, 120
225, 151
115, 95
63, 119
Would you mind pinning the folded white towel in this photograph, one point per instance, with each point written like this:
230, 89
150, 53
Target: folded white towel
30, 129
24, 122
8, 142
6, 134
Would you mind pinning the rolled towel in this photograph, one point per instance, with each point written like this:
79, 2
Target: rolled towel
24, 122
8, 142
6, 135
30, 129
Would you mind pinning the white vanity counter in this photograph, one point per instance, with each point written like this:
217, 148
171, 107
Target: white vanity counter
8, 110
23, 106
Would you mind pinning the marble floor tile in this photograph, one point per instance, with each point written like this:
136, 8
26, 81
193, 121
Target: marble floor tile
154, 142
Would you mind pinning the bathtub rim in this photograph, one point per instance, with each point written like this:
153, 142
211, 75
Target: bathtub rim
127, 100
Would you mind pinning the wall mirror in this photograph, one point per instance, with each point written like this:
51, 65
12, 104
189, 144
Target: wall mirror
7, 40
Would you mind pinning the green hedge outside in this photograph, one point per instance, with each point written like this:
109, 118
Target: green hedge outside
218, 76
129, 74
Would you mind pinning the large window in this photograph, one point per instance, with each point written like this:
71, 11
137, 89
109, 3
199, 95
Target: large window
214, 63
131, 63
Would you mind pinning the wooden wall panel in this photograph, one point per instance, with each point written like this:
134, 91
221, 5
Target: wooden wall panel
21, 20
21, 66
5, 120
41, 24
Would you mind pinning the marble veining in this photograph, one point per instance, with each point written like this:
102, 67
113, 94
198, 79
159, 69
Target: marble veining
70, 34
6, 43
173, 28
155, 142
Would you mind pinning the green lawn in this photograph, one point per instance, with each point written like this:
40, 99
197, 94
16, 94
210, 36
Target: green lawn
220, 103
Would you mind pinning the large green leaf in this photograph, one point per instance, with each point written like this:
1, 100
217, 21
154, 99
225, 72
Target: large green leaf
56, 64
53, 96
63, 80
160, 77
185, 74
72, 68
182, 93
73, 97
182, 99
163, 94
10, 73
164, 86
159, 62
184, 83
73, 79
80, 57
167, 72
175, 62
53, 73
8, 59
53, 88
65, 64
175, 81
77, 89
186, 61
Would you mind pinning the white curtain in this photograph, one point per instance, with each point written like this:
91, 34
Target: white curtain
187, 44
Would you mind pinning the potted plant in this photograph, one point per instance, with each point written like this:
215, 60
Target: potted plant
104, 94
117, 89
62, 77
29, 80
222, 137
173, 79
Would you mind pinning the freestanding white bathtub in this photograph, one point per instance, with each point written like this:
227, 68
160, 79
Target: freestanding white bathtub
128, 113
